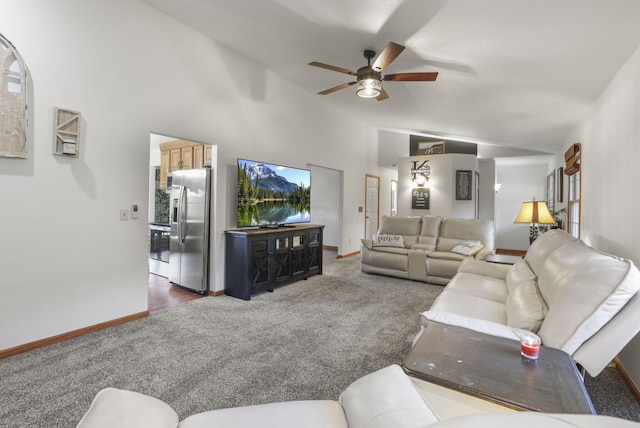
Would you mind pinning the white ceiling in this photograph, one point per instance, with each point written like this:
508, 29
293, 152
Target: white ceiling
522, 73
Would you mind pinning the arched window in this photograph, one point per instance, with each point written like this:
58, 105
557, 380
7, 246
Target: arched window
13, 102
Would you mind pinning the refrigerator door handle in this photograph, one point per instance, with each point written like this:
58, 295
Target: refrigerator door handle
182, 228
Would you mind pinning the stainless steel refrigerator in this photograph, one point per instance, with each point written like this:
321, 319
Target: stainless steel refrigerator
189, 218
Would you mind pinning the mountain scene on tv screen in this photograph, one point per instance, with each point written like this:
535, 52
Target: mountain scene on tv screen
269, 197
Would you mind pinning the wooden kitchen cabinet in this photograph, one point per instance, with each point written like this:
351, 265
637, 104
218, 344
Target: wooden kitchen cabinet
176, 155
207, 155
198, 156
165, 160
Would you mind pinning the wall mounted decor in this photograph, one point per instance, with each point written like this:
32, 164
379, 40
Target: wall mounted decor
464, 181
551, 190
66, 138
420, 172
559, 184
420, 198
13, 102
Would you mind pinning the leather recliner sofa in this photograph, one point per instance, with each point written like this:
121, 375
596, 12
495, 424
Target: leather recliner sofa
382, 399
575, 298
427, 248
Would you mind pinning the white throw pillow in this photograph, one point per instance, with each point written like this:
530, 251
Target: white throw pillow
388, 241
468, 248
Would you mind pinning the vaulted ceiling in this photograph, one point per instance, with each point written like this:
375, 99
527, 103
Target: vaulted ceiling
518, 73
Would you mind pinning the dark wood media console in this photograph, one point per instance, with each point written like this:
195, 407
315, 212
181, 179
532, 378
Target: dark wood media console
263, 258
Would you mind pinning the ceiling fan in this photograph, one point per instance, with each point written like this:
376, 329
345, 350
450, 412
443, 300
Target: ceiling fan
369, 78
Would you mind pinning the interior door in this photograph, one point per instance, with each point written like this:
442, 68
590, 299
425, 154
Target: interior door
371, 203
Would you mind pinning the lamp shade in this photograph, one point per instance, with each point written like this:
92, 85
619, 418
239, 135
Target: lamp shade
535, 212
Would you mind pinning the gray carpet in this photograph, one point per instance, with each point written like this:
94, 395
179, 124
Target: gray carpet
306, 340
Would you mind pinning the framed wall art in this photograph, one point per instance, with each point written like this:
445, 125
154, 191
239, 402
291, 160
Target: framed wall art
13, 102
551, 190
559, 184
420, 198
464, 182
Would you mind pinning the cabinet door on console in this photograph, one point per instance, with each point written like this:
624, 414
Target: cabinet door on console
260, 271
282, 259
314, 255
298, 253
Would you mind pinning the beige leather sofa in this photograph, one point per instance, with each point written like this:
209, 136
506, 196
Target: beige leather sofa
427, 248
383, 399
572, 296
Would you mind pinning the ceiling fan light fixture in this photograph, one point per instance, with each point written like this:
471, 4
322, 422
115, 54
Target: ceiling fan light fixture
369, 83
368, 88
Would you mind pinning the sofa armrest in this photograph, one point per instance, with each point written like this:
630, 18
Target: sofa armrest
385, 398
478, 267
118, 408
367, 243
475, 324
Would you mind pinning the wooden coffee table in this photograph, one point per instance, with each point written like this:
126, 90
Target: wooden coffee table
492, 369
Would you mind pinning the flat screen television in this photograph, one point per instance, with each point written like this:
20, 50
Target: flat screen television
272, 195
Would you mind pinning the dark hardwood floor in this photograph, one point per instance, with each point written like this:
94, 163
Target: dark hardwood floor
163, 295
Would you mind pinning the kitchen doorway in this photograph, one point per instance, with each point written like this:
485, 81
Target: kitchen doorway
164, 158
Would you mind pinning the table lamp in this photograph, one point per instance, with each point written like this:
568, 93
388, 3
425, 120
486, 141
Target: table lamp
535, 213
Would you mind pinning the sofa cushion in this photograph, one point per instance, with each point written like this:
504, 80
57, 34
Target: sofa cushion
468, 229
525, 308
475, 324
447, 255
430, 231
468, 248
593, 284
118, 408
288, 414
430, 225
519, 273
460, 300
542, 247
486, 287
388, 241
495, 270
445, 245
385, 398
406, 225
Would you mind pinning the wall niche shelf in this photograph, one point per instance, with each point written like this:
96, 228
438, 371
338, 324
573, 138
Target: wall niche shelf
66, 139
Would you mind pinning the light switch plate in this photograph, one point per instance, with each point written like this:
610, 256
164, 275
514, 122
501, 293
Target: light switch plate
124, 215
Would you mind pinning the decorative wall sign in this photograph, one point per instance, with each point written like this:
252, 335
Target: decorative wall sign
420, 198
13, 102
464, 181
67, 133
420, 172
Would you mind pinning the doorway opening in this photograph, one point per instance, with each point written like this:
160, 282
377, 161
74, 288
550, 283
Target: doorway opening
167, 155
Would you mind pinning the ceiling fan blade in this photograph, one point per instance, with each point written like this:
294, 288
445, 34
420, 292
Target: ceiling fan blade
333, 68
336, 88
412, 77
383, 95
387, 56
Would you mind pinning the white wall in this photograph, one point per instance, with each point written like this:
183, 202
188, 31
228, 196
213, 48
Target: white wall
520, 182
326, 203
487, 169
67, 261
610, 139
442, 199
